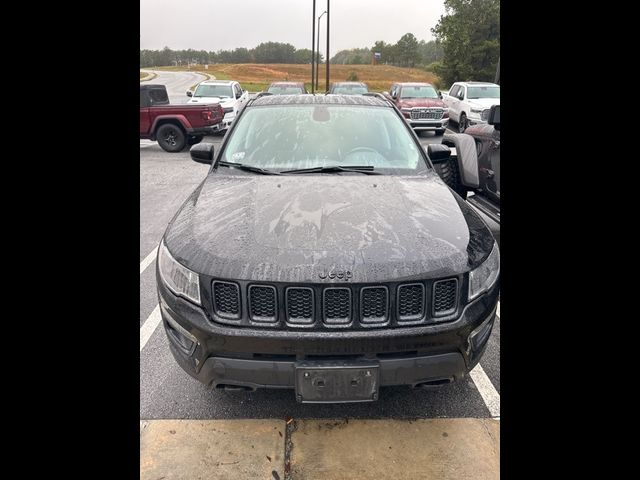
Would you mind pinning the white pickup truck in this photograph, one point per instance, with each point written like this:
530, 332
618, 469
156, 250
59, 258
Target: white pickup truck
469, 102
228, 93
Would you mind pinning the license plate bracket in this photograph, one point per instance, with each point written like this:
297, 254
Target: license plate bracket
321, 382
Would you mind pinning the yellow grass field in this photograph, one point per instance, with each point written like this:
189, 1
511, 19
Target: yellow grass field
257, 76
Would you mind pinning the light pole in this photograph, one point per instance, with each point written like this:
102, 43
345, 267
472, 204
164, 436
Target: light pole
313, 42
318, 49
328, 56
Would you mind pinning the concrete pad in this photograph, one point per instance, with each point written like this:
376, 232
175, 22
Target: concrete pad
212, 449
426, 449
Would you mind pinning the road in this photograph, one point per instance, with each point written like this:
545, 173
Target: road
168, 392
177, 83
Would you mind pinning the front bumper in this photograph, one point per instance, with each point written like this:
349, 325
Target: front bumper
226, 122
227, 356
429, 124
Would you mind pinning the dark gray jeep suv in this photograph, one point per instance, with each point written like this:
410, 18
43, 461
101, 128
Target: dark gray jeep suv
324, 254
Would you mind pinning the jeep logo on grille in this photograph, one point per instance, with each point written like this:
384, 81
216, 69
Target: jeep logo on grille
340, 274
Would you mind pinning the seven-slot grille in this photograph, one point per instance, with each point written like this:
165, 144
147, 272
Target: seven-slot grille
299, 301
445, 297
426, 113
226, 299
337, 305
373, 304
263, 306
411, 301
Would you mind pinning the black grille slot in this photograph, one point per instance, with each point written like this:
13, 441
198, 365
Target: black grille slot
299, 303
226, 299
262, 303
374, 304
445, 297
337, 305
411, 301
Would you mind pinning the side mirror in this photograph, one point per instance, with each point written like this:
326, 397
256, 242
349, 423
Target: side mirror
494, 117
394, 95
461, 96
202, 153
438, 153
239, 94
189, 93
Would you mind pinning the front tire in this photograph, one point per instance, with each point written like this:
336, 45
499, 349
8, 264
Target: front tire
171, 138
450, 174
463, 123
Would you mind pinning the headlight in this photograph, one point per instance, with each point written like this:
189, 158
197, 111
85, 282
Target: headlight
178, 278
482, 278
406, 110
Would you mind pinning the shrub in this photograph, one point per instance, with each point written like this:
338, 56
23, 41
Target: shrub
353, 77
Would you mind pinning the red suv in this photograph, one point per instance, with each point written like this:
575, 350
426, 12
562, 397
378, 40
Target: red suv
421, 104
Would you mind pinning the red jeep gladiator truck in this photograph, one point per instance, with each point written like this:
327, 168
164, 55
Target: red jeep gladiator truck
175, 126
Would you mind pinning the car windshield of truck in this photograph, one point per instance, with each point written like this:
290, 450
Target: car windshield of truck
288, 90
350, 90
483, 92
222, 91
419, 92
292, 137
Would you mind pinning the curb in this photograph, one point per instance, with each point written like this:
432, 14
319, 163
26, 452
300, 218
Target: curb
150, 76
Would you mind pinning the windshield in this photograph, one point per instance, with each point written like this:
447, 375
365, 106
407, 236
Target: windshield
288, 90
423, 91
483, 92
287, 137
213, 91
350, 90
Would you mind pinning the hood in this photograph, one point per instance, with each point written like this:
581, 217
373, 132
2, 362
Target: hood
484, 102
291, 228
421, 102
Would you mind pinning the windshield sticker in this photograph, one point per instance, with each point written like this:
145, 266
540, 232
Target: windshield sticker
237, 156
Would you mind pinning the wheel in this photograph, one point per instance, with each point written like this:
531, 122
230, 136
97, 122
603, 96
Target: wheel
462, 123
450, 174
171, 138
440, 131
193, 139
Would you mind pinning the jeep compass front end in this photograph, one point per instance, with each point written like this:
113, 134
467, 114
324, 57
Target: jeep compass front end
322, 253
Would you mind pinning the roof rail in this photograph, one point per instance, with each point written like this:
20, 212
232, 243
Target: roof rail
378, 95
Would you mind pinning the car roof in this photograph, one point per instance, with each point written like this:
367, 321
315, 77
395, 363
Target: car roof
292, 84
478, 83
361, 84
217, 82
310, 99
150, 86
415, 84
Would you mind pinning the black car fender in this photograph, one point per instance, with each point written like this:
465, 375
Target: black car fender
466, 155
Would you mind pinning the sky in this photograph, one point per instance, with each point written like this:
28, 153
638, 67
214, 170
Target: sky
214, 25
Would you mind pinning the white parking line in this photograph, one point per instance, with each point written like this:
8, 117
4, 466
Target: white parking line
148, 259
149, 326
487, 391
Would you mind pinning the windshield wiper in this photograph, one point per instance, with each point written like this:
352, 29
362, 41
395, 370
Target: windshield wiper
366, 169
247, 168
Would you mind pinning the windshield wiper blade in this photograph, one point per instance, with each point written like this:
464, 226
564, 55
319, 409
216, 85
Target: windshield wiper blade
366, 169
247, 168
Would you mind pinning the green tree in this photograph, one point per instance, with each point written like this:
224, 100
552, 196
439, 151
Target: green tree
469, 33
407, 50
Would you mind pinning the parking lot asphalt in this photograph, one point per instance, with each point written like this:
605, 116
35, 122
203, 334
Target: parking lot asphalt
167, 392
